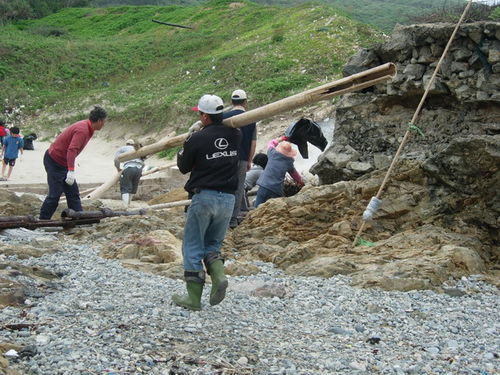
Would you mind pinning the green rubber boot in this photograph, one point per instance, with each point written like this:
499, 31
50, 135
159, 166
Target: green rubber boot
194, 286
215, 268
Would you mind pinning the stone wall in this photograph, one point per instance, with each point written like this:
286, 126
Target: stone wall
464, 100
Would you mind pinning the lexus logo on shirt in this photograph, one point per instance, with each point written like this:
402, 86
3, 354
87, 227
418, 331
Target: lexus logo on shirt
221, 143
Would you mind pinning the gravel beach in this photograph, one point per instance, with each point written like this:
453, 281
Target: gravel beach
101, 318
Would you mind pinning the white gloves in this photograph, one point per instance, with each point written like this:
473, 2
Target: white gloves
70, 178
195, 127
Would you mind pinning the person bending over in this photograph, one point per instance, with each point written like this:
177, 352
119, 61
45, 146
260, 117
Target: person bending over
280, 161
59, 162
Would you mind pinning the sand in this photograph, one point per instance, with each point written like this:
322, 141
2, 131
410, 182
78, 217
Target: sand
93, 165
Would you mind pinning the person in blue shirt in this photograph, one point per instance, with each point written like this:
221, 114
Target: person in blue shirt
11, 147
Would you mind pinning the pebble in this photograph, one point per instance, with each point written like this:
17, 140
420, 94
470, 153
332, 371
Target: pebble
101, 318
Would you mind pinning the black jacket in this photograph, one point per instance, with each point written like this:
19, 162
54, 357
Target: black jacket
211, 155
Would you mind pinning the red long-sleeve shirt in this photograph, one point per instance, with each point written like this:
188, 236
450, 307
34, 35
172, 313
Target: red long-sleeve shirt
70, 143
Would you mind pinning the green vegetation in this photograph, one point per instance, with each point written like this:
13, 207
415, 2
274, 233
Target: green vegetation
383, 14
148, 75
495, 15
170, 153
23, 9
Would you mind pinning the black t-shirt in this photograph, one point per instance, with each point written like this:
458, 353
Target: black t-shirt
211, 155
247, 134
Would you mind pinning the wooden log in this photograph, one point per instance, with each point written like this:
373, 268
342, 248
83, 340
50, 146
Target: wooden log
351, 83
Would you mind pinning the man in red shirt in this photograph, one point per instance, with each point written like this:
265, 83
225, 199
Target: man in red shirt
59, 162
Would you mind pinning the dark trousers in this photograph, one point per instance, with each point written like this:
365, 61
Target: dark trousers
56, 174
263, 195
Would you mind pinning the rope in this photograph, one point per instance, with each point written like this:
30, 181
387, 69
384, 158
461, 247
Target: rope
414, 119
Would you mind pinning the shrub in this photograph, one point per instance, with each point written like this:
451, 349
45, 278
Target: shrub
170, 153
46, 30
495, 15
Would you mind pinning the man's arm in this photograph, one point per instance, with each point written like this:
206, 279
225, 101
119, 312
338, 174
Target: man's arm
186, 155
296, 176
116, 161
77, 143
253, 146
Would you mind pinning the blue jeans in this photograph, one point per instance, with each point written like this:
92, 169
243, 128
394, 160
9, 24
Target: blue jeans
206, 225
263, 195
56, 174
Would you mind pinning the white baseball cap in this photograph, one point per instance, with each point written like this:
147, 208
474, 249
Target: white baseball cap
238, 95
210, 104
130, 142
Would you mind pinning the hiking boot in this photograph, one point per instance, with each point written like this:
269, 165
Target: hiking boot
194, 286
215, 268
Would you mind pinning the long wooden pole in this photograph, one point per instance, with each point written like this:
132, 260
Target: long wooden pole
351, 83
97, 193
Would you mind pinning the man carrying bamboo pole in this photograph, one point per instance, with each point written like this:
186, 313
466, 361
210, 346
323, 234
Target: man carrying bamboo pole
211, 155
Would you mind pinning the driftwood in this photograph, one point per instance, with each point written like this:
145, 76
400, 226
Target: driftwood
352, 83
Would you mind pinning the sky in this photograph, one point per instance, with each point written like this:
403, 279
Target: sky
489, 2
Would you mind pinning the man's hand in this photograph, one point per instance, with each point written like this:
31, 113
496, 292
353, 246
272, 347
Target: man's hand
195, 127
70, 178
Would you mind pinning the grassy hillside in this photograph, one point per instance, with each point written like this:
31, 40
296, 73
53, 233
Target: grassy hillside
148, 75
383, 14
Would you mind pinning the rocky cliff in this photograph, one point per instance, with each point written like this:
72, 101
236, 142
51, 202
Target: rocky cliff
440, 213
462, 102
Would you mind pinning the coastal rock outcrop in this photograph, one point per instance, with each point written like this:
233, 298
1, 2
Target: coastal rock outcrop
463, 101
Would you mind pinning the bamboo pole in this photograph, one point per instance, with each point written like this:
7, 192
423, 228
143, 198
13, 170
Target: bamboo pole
160, 168
351, 83
185, 202
162, 144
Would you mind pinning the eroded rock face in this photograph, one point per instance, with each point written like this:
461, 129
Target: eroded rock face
425, 232
463, 101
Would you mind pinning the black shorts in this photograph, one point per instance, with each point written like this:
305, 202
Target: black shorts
10, 162
129, 180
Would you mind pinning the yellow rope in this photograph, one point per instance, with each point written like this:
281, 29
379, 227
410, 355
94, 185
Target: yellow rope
415, 116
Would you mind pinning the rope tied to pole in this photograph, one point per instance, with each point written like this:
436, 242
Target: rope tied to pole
411, 127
